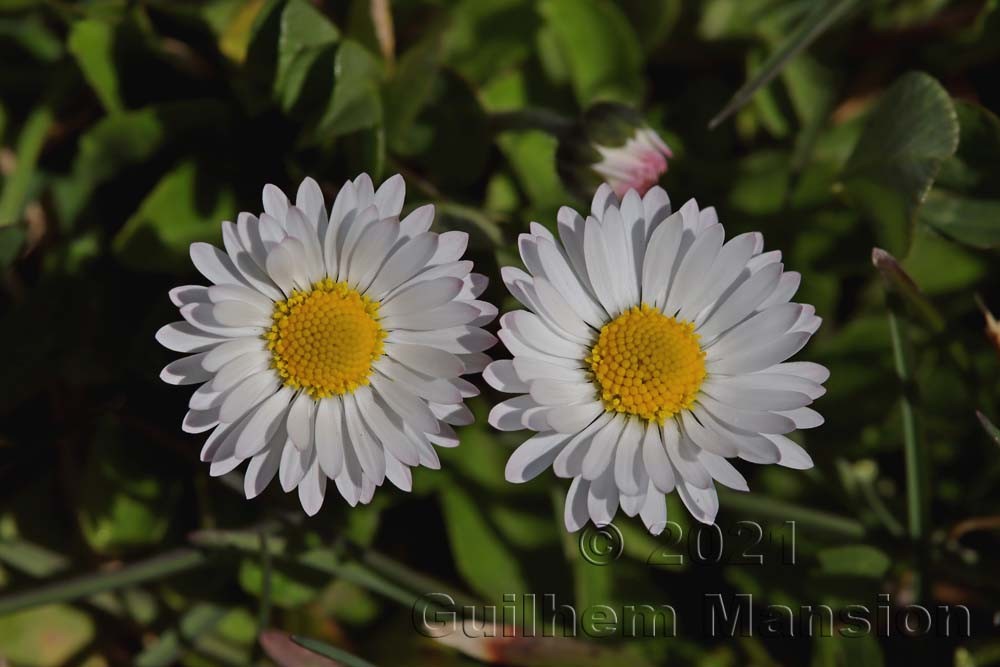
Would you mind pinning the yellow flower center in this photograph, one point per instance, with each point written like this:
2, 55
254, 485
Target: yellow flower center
647, 364
324, 341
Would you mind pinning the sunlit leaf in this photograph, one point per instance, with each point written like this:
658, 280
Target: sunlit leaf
859, 560
600, 47
905, 139
92, 42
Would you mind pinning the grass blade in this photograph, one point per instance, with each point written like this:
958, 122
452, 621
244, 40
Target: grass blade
823, 16
332, 652
762, 507
159, 567
29, 147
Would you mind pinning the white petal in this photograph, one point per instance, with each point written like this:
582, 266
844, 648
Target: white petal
264, 423
185, 294
457, 340
261, 470
371, 253
804, 417
654, 510
722, 471
390, 195
532, 330
575, 513
602, 449
432, 389
660, 261
602, 500
275, 201
301, 422
760, 356
729, 264
309, 199
312, 489
690, 281
411, 408
246, 395
684, 456
329, 436
747, 420
533, 456
654, 458
398, 473
703, 504
368, 450
215, 264
427, 360
421, 297
183, 337
754, 399
599, 268
451, 246
502, 376
186, 370
572, 418
293, 466
240, 314
762, 327
519, 413
792, 455
741, 302
222, 354
386, 426
417, 222
552, 392
628, 461
452, 314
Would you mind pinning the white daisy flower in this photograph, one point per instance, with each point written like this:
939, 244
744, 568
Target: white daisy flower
330, 346
650, 353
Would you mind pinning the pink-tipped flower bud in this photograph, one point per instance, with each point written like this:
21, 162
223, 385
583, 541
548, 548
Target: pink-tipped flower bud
612, 144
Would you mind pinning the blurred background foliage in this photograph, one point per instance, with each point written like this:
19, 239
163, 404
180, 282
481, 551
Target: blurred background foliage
130, 129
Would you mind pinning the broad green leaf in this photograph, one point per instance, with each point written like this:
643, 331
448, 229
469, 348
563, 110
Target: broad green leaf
92, 42
930, 252
202, 617
234, 39
355, 103
123, 504
974, 222
652, 20
486, 37
289, 589
187, 205
484, 561
44, 637
305, 35
904, 141
410, 89
600, 47
33, 35
859, 560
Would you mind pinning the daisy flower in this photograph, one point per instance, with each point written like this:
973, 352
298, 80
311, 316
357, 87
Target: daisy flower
329, 346
649, 354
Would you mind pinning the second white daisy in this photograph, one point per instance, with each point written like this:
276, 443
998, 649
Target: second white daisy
329, 346
651, 352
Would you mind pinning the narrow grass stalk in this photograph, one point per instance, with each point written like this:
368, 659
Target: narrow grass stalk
332, 652
761, 507
85, 585
917, 498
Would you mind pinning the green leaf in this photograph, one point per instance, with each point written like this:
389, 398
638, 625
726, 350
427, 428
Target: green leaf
410, 89
184, 207
487, 37
123, 504
600, 47
305, 35
905, 139
484, 561
839, 650
652, 20
201, 618
11, 240
823, 16
128, 138
355, 103
856, 560
29, 147
974, 222
45, 637
287, 589
92, 43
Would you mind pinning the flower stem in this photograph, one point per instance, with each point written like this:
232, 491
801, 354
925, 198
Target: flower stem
531, 119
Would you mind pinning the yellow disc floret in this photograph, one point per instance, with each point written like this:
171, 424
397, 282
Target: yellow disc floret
647, 364
325, 340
